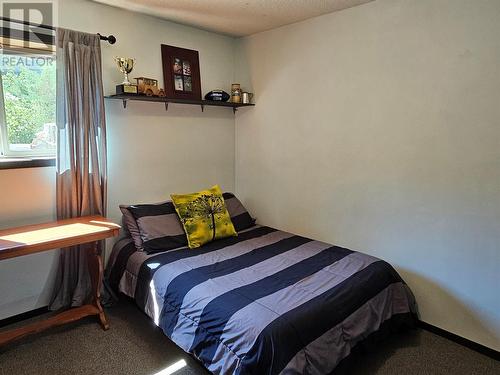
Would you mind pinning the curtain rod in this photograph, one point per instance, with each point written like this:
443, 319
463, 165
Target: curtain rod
110, 39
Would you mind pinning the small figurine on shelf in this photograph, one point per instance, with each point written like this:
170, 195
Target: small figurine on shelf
149, 87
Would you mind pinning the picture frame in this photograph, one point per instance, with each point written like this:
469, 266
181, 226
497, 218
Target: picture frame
181, 72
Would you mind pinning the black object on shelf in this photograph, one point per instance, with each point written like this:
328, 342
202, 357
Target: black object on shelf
202, 103
126, 89
217, 95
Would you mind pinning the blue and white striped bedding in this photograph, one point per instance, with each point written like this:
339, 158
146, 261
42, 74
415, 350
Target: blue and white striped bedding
265, 302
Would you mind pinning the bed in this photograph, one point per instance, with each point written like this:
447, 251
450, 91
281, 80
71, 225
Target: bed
264, 302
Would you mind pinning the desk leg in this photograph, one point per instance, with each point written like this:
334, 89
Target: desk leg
96, 271
70, 315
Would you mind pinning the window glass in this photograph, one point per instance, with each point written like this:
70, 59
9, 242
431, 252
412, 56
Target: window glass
29, 104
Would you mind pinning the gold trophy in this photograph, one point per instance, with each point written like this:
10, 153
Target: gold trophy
125, 65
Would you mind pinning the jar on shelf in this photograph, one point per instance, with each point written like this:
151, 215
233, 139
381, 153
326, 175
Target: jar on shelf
235, 93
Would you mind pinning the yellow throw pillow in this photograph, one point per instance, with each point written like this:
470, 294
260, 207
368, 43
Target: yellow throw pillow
204, 216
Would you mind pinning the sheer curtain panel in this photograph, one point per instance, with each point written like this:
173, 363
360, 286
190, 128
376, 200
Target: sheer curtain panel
81, 153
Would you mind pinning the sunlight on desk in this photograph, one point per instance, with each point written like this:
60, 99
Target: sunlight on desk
30, 239
50, 234
60, 234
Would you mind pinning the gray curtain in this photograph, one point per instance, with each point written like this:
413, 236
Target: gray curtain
81, 154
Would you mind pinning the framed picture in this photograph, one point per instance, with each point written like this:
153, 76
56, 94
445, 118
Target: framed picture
181, 72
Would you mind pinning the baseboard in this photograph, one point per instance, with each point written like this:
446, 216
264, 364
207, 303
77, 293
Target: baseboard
492, 353
26, 315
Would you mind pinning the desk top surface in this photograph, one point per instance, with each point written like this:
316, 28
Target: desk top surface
30, 239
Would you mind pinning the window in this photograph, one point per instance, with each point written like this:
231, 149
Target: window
27, 104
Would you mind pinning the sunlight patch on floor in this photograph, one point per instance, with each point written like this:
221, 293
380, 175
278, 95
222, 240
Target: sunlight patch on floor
172, 368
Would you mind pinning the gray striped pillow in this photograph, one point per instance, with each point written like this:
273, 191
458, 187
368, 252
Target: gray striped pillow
131, 226
154, 227
239, 215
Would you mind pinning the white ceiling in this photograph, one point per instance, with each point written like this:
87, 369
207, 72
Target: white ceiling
234, 17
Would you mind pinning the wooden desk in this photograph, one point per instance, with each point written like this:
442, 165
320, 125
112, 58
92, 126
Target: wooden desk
32, 239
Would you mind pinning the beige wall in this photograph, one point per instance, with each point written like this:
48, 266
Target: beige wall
151, 152
26, 196
377, 128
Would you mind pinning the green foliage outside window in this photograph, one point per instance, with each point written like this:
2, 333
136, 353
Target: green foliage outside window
29, 96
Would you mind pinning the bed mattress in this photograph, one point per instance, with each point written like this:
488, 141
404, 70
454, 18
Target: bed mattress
265, 302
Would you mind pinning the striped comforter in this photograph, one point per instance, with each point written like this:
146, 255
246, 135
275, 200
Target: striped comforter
265, 302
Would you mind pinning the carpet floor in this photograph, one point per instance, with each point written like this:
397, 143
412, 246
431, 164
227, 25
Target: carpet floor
133, 345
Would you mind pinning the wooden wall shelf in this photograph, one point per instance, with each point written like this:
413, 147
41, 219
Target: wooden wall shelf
201, 103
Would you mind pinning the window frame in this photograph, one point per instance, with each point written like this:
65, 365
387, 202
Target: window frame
18, 163
8, 156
